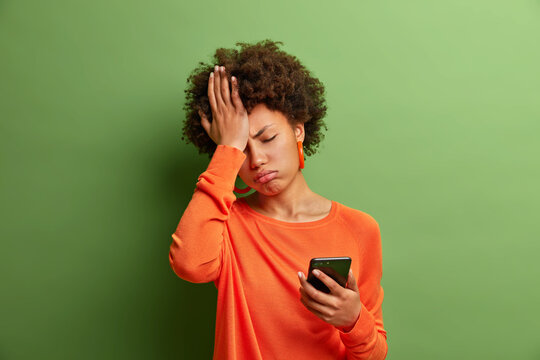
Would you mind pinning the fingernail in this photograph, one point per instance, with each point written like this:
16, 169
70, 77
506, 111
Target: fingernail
316, 272
300, 274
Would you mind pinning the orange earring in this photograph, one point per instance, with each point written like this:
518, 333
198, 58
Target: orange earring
301, 154
241, 191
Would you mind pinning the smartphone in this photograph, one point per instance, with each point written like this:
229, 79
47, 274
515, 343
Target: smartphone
335, 267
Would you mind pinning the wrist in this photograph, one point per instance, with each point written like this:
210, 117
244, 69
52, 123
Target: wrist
348, 328
234, 145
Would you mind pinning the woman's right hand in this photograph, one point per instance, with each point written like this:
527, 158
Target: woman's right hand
229, 124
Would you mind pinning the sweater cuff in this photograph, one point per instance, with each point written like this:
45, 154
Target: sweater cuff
363, 329
226, 162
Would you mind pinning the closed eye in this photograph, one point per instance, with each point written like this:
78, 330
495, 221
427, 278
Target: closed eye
272, 138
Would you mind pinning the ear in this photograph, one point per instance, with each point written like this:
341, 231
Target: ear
299, 132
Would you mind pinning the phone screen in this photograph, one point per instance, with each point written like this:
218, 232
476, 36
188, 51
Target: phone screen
335, 267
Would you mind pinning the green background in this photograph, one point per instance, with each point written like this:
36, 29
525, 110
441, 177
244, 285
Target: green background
433, 127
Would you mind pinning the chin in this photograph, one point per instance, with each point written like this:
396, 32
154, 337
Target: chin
270, 188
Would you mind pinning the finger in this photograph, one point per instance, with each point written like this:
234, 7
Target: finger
314, 307
237, 102
204, 122
313, 293
217, 87
304, 295
225, 88
308, 301
351, 282
211, 96
330, 283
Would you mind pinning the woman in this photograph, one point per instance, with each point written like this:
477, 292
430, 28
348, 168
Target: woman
256, 247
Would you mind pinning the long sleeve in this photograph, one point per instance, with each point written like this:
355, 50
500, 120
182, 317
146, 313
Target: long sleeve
196, 251
367, 339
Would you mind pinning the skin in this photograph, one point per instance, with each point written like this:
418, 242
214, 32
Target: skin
287, 197
341, 307
270, 143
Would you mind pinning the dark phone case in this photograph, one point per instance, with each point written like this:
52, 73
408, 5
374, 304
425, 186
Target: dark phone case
337, 268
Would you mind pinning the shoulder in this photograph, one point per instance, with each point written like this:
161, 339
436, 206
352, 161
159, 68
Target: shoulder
357, 218
237, 206
366, 230
362, 226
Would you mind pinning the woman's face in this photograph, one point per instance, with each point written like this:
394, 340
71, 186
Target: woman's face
271, 146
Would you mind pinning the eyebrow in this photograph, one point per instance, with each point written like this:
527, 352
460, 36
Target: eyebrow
261, 131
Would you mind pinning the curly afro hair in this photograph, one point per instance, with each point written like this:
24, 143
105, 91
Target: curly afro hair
265, 74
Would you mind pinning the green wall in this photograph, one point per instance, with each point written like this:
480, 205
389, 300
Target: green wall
433, 127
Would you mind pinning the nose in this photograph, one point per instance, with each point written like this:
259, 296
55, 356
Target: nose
257, 157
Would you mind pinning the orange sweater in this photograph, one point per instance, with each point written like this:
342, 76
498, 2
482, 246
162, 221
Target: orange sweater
253, 261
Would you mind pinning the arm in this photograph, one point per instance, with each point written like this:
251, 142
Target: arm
195, 254
367, 338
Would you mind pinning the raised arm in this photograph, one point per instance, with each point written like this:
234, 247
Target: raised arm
196, 250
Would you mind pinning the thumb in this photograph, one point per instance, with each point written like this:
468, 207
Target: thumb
351, 282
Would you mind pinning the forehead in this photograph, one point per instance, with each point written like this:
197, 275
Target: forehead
261, 116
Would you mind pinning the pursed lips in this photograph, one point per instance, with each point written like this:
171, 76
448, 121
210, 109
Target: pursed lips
263, 174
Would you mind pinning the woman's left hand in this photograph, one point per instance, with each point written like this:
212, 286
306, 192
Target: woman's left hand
341, 307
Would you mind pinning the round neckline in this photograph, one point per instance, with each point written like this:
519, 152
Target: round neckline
324, 220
